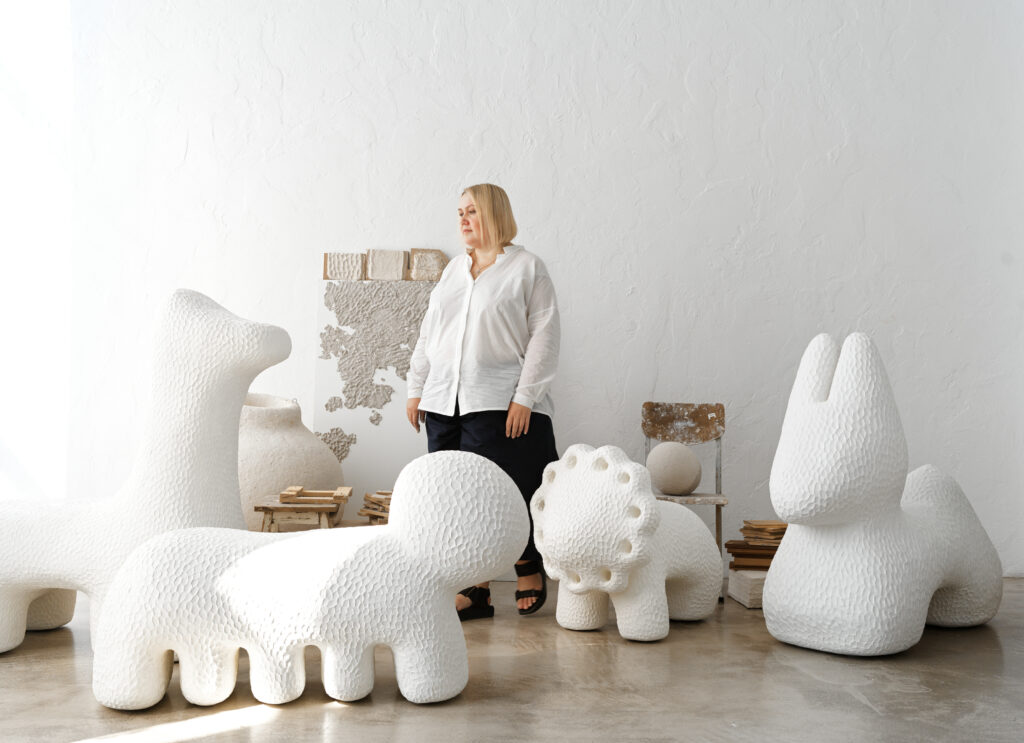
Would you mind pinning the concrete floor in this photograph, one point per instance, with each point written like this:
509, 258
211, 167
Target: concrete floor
724, 679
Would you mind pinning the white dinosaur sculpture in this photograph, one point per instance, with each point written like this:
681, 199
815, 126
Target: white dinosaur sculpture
456, 519
186, 473
603, 535
871, 554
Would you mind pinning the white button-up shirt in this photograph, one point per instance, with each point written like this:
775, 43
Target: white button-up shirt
488, 342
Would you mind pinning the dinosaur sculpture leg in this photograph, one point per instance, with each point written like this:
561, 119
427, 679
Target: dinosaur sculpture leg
693, 597
641, 610
52, 610
277, 675
130, 674
208, 672
14, 603
347, 671
433, 666
581, 611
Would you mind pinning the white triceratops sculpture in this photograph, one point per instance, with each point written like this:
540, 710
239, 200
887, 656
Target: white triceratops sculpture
456, 519
186, 473
603, 534
871, 554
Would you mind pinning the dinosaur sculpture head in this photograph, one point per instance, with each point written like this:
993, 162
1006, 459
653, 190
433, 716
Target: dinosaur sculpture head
199, 338
842, 453
594, 515
461, 515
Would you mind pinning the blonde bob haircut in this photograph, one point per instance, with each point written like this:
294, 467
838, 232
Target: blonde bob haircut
495, 212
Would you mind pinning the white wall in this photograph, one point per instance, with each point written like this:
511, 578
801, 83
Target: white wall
35, 246
711, 184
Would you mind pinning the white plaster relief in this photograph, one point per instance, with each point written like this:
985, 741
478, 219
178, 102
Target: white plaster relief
186, 473
346, 266
341, 443
386, 265
426, 264
455, 519
604, 536
871, 553
386, 318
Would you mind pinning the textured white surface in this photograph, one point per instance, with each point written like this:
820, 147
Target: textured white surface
603, 535
346, 266
674, 468
386, 265
276, 451
709, 184
186, 473
870, 554
456, 520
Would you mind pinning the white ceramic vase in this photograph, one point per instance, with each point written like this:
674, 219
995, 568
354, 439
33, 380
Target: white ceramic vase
276, 451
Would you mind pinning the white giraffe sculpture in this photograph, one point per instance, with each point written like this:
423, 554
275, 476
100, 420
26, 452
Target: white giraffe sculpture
871, 554
456, 519
186, 472
603, 535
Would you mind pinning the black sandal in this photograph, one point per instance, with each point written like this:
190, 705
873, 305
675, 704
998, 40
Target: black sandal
532, 567
479, 609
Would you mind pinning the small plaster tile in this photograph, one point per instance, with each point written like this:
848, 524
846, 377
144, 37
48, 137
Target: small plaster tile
346, 266
376, 417
426, 264
386, 265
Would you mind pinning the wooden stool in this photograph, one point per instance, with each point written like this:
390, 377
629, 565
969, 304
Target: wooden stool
314, 508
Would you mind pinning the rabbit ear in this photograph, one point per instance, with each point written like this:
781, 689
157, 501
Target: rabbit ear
817, 366
860, 378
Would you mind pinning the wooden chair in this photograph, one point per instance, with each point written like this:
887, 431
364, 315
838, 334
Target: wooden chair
689, 424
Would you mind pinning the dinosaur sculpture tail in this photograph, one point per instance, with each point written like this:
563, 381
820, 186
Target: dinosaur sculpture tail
973, 587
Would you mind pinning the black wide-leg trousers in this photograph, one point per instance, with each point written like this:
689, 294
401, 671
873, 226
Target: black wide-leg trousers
523, 459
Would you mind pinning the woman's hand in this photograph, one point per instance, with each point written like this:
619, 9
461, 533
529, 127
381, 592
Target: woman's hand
518, 421
413, 412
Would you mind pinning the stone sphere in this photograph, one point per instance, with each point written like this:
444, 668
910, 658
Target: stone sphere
675, 469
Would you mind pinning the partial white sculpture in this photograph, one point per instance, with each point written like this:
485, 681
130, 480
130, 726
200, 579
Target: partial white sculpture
859, 572
603, 535
674, 468
456, 519
275, 451
186, 472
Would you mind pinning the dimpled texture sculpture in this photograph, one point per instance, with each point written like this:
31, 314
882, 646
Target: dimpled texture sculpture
186, 473
674, 468
456, 519
603, 535
871, 554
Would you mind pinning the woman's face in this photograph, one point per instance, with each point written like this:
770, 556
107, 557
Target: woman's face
469, 223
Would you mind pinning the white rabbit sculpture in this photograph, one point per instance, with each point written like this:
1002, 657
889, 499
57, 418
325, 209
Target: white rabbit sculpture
871, 554
186, 473
456, 519
603, 534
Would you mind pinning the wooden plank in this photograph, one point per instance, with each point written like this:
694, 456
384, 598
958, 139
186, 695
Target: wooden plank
687, 423
296, 507
695, 500
300, 495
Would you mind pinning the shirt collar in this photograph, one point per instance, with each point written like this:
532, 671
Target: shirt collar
509, 250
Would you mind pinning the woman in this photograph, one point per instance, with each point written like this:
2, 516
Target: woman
481, 370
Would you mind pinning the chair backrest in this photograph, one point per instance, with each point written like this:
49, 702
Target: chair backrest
687, 423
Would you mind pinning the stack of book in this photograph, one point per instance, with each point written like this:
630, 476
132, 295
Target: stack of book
756, 550
746, 587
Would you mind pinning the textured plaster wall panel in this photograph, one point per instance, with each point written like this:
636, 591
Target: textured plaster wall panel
708, 184
369, 329
387, 265
346, 266
426, 265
